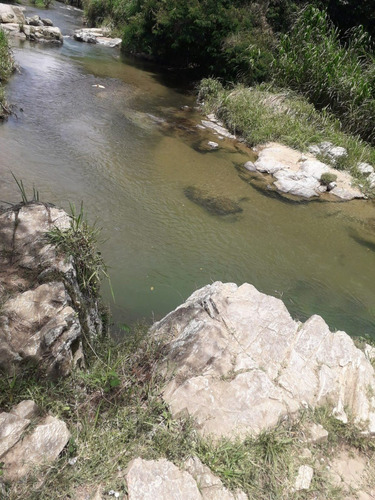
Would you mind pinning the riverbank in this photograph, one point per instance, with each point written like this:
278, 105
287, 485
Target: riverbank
263, 114
296, 431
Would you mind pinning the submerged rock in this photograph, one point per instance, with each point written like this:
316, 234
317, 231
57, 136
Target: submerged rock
214, 205
237, 362
43, 312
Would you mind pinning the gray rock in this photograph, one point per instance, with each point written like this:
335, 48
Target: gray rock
365, 169
109, 42
11, 14
159, 480
210, 486
47, 22
297, 183
219, 129
82, 36
249, 165
304, 478
11, 430
26, 409
371, 180
238, 362
44, 312
213, 145
34, 21
316, 433
314, 168
42, 446
43, 33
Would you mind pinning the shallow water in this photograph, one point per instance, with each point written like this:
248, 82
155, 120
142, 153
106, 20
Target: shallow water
128, 151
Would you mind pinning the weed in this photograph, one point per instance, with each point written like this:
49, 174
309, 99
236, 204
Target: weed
79, 241
327, 178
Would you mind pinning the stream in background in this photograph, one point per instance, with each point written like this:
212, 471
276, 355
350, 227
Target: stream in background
128, 151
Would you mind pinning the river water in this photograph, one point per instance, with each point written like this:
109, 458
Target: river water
128, 151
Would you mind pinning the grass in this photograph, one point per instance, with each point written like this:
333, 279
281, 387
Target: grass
339, 76
264, 113
115, 413
6, 69
80, 242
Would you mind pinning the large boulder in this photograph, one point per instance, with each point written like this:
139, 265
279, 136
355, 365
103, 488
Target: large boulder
43, 312
11, 14
238, 362
50, 34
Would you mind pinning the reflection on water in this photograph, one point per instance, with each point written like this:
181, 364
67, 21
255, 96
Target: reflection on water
129, 152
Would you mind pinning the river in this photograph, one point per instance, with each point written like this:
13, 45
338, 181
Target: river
128, 151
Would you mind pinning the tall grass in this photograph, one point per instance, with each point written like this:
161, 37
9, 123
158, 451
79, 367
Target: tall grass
341, 77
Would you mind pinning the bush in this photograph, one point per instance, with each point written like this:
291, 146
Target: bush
327, 178
312, 60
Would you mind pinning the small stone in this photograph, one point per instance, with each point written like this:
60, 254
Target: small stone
365, 169
11, 429
305, 454
304, 478
213, 145
314, 149
371, 179
249, 165
316, 433
47, 22
26, 409
331, 186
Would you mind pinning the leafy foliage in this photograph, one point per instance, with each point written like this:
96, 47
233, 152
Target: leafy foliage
313, 60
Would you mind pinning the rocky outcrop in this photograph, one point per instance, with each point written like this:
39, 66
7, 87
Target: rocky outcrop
43, 313
13, 22
97, 35
162, 480
300, 174
24, 446
237, 362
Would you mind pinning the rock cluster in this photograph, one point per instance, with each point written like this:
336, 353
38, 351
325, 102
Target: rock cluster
13, 22
238, 362
28, 441
43, 313
300, 175
96, 35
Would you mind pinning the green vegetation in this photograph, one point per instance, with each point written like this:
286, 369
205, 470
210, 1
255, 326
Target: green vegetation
264, 114
115, 413
6, 69
80, 242
327, 178
341, 77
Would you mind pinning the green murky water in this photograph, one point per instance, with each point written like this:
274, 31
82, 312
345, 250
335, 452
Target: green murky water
129, 152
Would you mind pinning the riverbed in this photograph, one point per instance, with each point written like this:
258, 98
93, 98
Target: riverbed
120, 135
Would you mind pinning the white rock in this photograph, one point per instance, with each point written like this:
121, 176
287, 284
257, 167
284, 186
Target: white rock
159, 480
371, 180
297, 183
237, 362
365, 169
218, 129
249, 165
213, 145
26, 409
304, 478
314, 168
11, 429
316, 433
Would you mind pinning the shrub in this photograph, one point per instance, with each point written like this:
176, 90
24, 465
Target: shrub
312, 60
327, 178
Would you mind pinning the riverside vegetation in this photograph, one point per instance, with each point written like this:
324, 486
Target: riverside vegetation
6, 69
